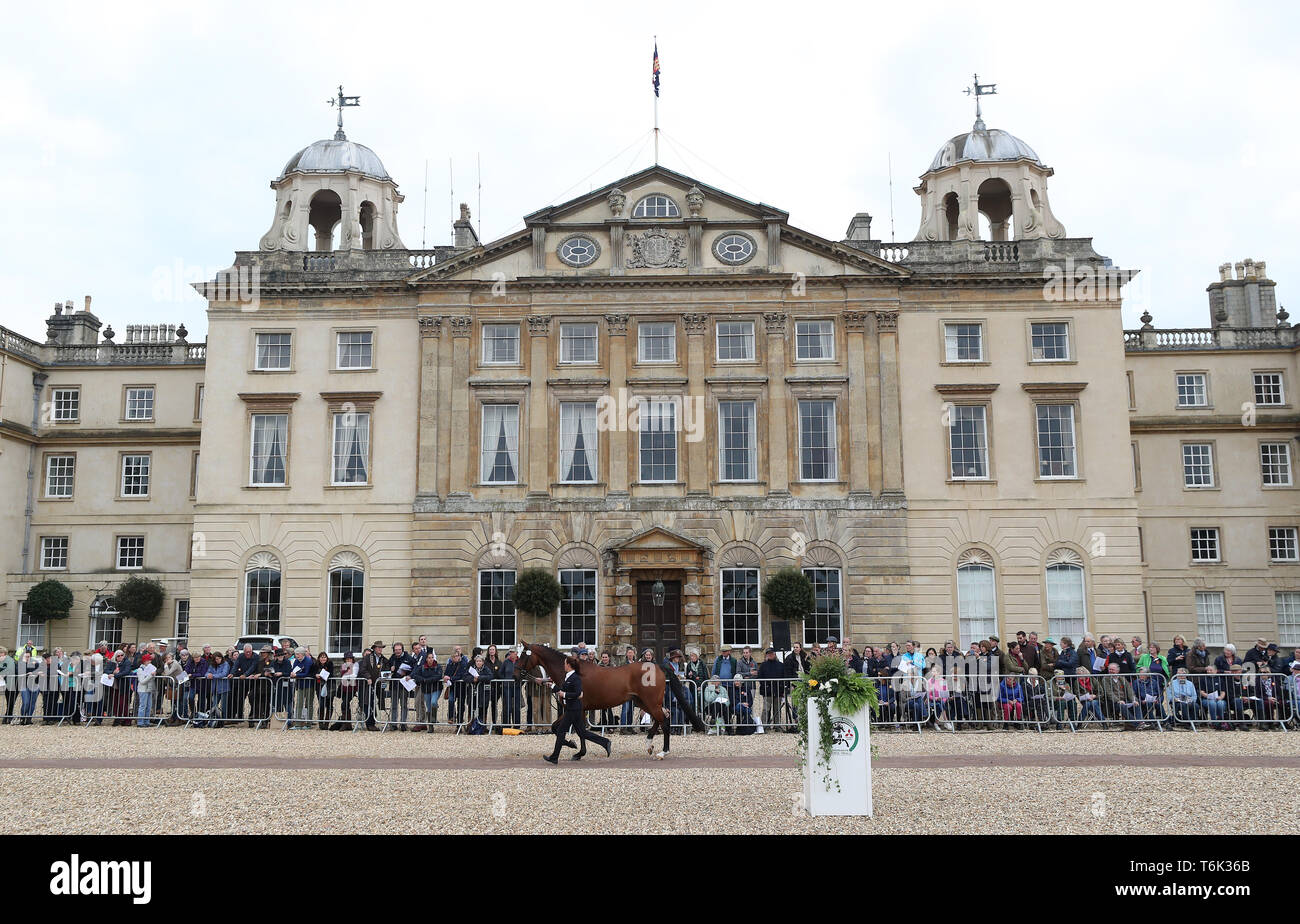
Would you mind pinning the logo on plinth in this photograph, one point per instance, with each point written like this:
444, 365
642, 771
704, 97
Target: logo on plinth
844, 734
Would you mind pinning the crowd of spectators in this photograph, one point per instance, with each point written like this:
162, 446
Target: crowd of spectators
1103, 681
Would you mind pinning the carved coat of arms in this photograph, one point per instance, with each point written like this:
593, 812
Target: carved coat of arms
654, 248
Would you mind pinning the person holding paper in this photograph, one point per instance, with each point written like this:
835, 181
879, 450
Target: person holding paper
482, 676
1150, 695
428, 676
326, 687
457, 682
348, 674
399, 667
144, 675
218, 680
304, 685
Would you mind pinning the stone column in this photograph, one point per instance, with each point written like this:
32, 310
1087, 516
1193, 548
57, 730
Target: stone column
698, 473
778, 414
462, 326
862, 416
616, 248
774, 247
426, 472
617, 479
539, 430
891, 433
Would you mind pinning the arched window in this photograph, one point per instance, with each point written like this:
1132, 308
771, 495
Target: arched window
656, 206
367, 219
995, 207
977, 598
951, 214
326, 211
1067, 612
347, 599
262, 595
105, 623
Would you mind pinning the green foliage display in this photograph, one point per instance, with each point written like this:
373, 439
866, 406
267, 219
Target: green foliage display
829, 680
139, 598
789, 595
50, 599
536, 592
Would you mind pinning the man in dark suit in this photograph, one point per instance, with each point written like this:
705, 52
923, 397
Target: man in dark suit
570, 694
373, 663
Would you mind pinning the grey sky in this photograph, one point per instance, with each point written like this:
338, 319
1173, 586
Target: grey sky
140, 139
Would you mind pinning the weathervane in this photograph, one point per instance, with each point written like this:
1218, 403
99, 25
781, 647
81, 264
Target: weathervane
978, 90
342, 101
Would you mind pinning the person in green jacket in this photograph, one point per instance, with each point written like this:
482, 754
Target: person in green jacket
1152, 660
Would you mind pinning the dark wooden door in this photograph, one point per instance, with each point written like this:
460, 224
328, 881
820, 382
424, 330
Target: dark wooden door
658, 627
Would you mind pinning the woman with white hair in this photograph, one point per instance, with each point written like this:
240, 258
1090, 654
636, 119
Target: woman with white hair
1224, 662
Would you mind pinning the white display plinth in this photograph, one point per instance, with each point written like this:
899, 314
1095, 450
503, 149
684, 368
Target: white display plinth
850, 765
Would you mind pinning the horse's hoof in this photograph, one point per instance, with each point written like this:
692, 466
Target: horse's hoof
650, 750
659, 756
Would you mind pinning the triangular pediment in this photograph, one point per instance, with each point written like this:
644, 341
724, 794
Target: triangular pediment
657, 537
688, 236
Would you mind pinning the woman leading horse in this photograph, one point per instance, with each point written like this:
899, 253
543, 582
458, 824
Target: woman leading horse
611, 687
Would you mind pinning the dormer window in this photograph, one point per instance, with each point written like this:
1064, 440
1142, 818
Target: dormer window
656, 206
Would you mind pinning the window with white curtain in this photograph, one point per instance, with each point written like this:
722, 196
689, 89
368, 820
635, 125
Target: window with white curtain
268, 451
274, 351
351, 462
657, 424
735, 340
1288, 617
737, 440
578, 442
355, 349
814, 340
500, 344
29, 630
977, 605
500, 446
1066, 611
1211, 617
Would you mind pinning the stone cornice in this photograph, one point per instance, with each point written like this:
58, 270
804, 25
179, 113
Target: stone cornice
1039, 389
120, 437
966, 388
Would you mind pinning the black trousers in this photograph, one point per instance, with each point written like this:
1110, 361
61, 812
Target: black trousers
576, 722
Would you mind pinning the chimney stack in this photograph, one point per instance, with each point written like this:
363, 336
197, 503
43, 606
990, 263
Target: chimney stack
1244, 296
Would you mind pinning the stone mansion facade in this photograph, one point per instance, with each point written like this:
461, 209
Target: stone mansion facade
661, 393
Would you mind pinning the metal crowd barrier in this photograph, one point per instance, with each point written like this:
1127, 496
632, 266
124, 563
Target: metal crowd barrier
1244, 700
751, 703
206, 702
310, 702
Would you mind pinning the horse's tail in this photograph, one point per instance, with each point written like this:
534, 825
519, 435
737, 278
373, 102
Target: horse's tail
683, 703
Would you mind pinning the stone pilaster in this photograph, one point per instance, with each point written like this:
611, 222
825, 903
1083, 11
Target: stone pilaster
462, 327
426, 472
539, 430
862, 416
697, 460
617, 479
778, 412
890, 411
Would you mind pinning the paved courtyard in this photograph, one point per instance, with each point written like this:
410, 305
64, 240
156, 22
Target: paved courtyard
240, 780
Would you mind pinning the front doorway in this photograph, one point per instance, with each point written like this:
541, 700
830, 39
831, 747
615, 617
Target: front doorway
658, 626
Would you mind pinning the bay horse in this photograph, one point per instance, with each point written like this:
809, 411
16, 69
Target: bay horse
611, 687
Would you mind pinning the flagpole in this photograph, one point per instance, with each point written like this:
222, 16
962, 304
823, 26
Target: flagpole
656, 107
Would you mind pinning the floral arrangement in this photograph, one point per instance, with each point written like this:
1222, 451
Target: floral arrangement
829, 680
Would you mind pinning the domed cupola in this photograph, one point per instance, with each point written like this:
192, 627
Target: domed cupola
335, 195
991, 173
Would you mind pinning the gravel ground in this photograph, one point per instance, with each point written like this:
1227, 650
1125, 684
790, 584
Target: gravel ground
638, 799
1055, 801
20, 742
